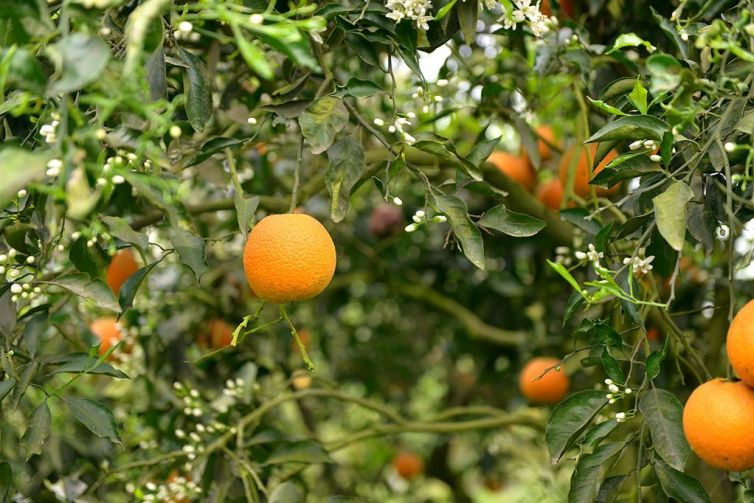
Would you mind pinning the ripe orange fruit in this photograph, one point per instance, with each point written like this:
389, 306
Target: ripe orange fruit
548, 134
565, 6
288, 258
550, 388
717, 422
654, 335
740, 343
218, 335
581, 179
551, 194
107, 331
121, 267
408, 465
517, 167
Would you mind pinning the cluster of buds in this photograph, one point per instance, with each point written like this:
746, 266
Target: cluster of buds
616, 392
54, 166
175, 488
649, 145
398, 127
186, 31
563, 256
50, 131
233, 387
428, 97
19, 275
420, 218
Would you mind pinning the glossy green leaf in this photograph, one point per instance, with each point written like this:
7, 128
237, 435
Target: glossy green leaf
81, 285
482, 151
569, 420
511, 223
662, 414
122, 230
680, 486
590, 470
198, 91
346, 168
566, 275
6, 386
322, 121
88, 259
287, 492
359, 88
213, 146
595, 435
38, 430
630, 40
190, 247
670, 213
253, 55
467, 234
245, 208
630, 128
601, 105
638, 97
95, 415
665, 73
128, 290
79, 363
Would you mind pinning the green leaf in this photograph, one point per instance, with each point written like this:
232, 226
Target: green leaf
511, 223
638, 97
131, 286
443, 11
665, 72
305, 451
322, 121
468, 12
287, 39
466, 232
287, 492
25, 375
445, 151
38, 430
570, 418
632, 127
566, 275
605, 107
670, 213
213, 146
120, 229
190, 247
746, 123
610, 488
24, 72
612, 367
245, 208
359, 88
596, 434
590, 470
482, 151
93, 290
254, 56
83, 363
198, 91
157, 74
662, 413
624, 167
630, 40
5, 387
20, 167
654, 360
8, 314
345, 170
680, 486
90, 260
96, 416
6, 480
79, 60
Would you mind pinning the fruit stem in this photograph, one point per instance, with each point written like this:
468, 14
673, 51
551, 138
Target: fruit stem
294, 333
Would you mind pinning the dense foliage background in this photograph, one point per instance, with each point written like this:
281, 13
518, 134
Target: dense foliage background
169, 128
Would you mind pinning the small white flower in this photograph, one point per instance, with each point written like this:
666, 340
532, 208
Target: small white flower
420, 213
21, 193
442, 82
378, 122
2, 270
118, 179
730, 146
30, 259
251, 120
611, 401
100, 134
608, 381
440, 219
177, 385
609, 395
194, 393
613, 388
179, 433
410, 228
629, 391
620, 416
195, 437
397, 201
391, 128
185, 27
151, 486
16, 288
175, 131
636, 145
409, 139
416, 218
655, 158
650, 144
256, 19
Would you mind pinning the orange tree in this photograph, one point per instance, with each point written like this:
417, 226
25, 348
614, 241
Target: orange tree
149, 351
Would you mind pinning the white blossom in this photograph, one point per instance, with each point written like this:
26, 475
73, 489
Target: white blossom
591, 254
526, 12
415, 10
